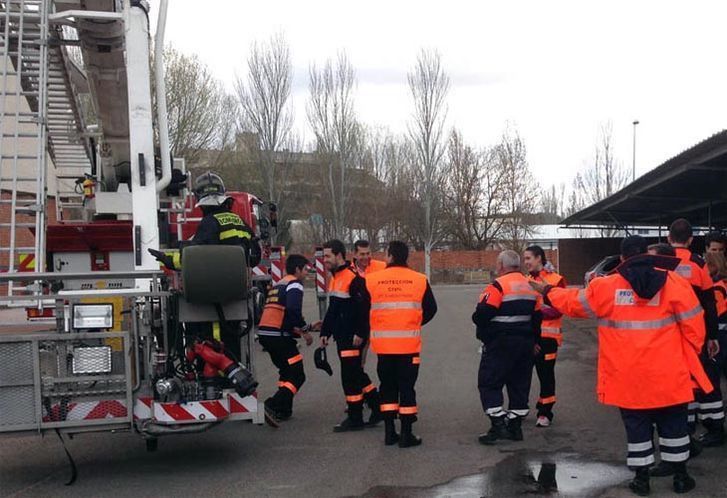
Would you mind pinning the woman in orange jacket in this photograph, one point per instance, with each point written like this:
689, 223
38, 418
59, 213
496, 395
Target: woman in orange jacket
551, 337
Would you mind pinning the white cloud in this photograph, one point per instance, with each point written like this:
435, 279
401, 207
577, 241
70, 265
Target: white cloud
554, 69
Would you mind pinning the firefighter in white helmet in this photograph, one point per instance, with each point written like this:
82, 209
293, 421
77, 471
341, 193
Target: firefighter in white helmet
219, 224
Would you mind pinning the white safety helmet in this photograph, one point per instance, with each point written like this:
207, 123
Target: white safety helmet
209, 190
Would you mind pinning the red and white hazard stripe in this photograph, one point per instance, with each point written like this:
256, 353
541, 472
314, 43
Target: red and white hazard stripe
247, 408
320, 272
277, 264
238, 404
87, 410
260, 271
142, 408
192, 412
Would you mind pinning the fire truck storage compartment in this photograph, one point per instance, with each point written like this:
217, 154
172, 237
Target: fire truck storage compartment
89, 247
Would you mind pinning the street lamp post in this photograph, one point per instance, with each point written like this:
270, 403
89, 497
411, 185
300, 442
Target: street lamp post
633, 164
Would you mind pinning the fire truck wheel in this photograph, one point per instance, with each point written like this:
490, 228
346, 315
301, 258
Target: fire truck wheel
152, 444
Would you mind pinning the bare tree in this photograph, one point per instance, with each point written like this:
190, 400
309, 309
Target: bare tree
429, 86
473, 195
520, 198
402, 215
602, 177
266, 111
552, 202
378, 142
332, 117
202, 115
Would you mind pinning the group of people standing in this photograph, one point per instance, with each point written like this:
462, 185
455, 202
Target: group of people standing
371, 303
661, 318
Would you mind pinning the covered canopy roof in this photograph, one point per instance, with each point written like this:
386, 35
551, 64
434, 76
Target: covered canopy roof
692, 185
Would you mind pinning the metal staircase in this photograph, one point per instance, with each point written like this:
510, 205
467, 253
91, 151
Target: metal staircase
68, 144
41, 120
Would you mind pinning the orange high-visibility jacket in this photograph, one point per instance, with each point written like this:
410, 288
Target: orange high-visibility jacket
516, 308
345, 316
551, 328
396, 310
374, 266
693, 268
648, 349
340, 283
273, 315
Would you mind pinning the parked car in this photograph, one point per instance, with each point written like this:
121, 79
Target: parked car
603, 267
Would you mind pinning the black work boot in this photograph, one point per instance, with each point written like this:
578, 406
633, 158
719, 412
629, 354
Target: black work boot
354, 421
664, 469
374, 419
695, 447
271, 414
408, 439
640, 483
391, 436
497, 431
373, 402
683, 482
514, 429
349, 424
714, 436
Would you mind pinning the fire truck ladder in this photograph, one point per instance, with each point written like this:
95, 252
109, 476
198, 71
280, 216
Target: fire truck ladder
40, 120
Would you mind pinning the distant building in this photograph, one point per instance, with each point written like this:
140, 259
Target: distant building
548, 236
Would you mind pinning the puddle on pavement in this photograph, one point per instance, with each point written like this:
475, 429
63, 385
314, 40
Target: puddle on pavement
521, 474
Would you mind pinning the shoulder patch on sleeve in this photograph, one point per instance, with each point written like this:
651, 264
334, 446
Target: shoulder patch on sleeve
684, 271
295, 285
697, 259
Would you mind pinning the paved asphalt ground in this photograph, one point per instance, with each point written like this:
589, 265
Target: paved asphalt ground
583, 451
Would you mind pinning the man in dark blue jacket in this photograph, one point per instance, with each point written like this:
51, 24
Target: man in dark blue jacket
281, 324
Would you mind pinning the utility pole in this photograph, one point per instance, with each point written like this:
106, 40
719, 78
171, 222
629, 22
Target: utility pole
633, 164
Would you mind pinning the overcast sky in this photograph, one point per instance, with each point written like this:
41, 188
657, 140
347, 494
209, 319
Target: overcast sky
555, 70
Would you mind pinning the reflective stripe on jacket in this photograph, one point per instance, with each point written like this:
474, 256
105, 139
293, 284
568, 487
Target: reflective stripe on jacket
222, 226
396, 310
515, 303
231, 227
339, 286
552, 328
282, 309
345, 312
